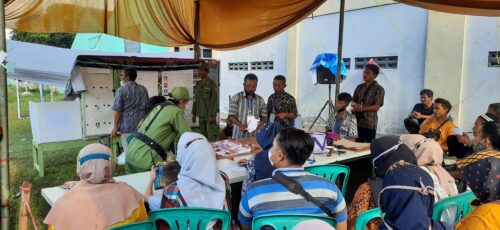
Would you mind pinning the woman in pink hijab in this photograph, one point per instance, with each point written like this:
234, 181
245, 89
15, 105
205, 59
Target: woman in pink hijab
96, 201
430, 157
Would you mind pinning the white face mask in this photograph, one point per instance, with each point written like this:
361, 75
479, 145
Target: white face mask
122, 83
183, 107
269, 154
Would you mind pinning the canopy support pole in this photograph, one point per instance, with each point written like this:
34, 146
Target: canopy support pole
4, 145
42, 96
18, 100
339, 47
197, 29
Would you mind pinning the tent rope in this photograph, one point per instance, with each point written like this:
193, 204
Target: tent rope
27, 205
393, 23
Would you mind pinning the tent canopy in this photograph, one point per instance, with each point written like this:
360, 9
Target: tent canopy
222, 24
468, 7
53, 66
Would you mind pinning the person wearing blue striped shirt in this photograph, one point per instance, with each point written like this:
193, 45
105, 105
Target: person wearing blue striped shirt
290, 150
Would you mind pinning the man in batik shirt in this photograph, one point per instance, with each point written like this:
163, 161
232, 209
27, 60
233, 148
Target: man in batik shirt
342, 121
130, 108
281, 106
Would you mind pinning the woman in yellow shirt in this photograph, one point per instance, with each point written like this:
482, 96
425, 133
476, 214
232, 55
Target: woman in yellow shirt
483, 178
439, 122
96, 201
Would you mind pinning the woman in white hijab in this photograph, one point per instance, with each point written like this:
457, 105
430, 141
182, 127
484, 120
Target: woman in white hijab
199, 182
96, 201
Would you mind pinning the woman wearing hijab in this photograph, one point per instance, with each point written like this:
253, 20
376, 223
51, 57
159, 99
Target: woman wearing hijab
199, 183
258, 166
385, 151
96, 201
483, 177
407, 199
430, 157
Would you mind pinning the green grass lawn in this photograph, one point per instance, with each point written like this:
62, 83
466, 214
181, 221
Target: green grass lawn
60, 166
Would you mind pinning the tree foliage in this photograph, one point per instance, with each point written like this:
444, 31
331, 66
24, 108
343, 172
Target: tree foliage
63, 40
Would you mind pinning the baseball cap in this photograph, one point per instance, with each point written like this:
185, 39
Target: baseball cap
180, 93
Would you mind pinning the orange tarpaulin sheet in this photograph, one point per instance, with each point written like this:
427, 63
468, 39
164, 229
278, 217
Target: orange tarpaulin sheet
224, 24
468, 7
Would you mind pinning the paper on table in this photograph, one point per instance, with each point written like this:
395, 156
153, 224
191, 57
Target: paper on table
252, 123
233, 168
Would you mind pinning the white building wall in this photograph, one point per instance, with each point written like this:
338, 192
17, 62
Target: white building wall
231, 83
392, 30
481, 84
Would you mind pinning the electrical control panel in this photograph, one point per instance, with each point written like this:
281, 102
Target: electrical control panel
149, 79
97, 102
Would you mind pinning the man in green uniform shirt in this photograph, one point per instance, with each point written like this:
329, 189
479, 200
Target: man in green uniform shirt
161, 128
206, 105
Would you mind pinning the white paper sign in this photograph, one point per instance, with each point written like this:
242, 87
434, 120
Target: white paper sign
252, 123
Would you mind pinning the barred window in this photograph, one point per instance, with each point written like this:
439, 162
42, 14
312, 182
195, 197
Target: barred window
262, 65
387, 62
206, 53
347, 62
238, 66
494, 59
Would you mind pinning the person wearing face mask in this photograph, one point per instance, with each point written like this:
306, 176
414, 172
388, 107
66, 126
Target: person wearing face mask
160, 129
244, 105
130, 105
407, 199
343, 122
385, 151
488, 135
291, 148
259, 166
462, 146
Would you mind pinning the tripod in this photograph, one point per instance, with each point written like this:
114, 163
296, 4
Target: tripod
328, 103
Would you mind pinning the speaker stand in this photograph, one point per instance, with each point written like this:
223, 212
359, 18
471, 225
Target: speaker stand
328, 103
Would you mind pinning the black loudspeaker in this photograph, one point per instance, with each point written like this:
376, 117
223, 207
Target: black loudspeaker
324, 75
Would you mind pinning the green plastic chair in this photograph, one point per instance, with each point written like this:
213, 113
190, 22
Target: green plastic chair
191, 218
286, 221
146, 225
461, 201
331, 172
365, 217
